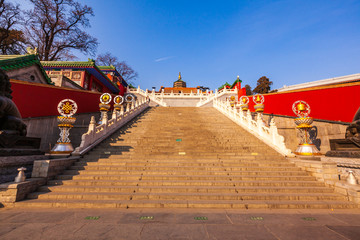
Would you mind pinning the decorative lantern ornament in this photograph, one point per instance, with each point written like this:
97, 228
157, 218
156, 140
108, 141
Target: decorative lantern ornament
129, 98
118, 101
259, 103
104, 106
232, 101
303, 122
244, 103
67, 108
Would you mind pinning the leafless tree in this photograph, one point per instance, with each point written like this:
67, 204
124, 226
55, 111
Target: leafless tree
107, 59
55, 28
12, 40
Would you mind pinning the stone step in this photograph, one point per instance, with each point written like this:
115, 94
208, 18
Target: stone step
177, 172
184, 164
186, 196
177, 168
181, 178
309, 183
182, 189
275, 204
185, 158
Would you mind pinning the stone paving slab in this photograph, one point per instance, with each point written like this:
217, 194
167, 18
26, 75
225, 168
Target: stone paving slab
178, 224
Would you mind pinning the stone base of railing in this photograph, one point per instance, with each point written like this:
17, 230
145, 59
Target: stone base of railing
43, 170
331, 172
12, 192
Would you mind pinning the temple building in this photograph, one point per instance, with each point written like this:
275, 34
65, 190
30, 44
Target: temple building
178, 87
24, 68
236, 84
87, 75
112, 73
179, 83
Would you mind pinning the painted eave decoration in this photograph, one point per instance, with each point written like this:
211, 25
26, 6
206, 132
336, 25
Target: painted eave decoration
89, 66
13, 62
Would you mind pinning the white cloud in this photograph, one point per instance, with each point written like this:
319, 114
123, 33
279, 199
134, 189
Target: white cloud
164, 58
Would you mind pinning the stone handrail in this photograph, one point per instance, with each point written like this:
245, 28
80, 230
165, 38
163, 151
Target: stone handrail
216, 95
268, 135
203, 97
96, 134
151, 96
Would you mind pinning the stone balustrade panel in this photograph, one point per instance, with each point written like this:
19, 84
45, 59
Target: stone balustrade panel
258, 128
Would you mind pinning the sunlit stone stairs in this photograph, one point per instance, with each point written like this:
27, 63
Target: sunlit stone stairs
186, 158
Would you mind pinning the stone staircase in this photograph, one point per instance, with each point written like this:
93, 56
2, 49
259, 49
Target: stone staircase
186, 158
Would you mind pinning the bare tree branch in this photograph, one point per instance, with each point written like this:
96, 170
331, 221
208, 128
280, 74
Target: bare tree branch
107, 59
12, 40
55, 27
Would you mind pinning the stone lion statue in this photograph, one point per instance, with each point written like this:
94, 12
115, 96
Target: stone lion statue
10, 118
353, 130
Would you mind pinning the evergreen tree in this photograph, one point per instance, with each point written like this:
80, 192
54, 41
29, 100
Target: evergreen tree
263, 85
248, 90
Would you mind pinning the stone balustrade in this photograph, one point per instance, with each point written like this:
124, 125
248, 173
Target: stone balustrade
202, 98
96, 134
258, 128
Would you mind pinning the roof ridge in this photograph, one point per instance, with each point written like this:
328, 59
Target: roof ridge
20, 61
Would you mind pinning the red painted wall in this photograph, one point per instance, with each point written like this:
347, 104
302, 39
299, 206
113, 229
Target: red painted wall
36, 100
122, 89
337, 103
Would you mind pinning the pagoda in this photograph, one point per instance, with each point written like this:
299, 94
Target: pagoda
179, 83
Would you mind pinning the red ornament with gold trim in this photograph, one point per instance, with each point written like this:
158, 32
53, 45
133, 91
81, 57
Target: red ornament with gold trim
259, 100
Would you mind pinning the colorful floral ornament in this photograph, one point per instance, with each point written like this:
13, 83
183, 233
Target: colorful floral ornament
118, 100
258, 99
67, 107
105, 98
244, 103
259, 103
244, 100
129, 98
301, 108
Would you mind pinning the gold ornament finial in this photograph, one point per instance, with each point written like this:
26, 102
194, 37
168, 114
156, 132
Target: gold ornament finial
179, 75
301, 107
238, 77
258, 98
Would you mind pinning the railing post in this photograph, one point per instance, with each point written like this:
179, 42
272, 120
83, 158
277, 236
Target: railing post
104, 119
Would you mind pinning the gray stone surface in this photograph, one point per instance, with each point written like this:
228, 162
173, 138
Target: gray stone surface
46, 128
127, 224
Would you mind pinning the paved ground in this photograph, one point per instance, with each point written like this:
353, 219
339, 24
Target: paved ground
178, 224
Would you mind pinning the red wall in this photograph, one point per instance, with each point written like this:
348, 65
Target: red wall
337, 103
122, 89
36, 100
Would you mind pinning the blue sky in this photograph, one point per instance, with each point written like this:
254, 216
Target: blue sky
211, 42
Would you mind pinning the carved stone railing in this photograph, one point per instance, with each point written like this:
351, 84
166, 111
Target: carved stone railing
268, 135
96, 134
204, 97
216, 95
